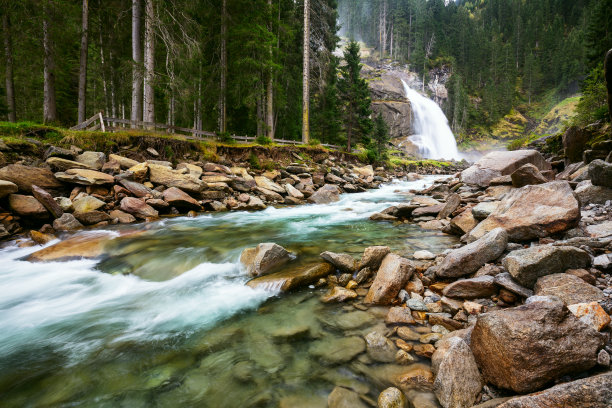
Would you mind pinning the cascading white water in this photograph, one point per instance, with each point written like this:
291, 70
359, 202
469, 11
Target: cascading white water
432, 135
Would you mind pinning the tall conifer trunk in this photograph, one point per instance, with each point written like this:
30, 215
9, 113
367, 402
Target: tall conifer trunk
149, 63
49, 101
223, 79
136, 113
8, 52
306, 76
83, 63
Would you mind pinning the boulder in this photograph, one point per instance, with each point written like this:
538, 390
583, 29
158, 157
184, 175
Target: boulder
343, 398
329, 193
87, 204
591, 314
139, 190
591, 392
59, 164
569, 288
268, 184
399, 315
122, 217
501, 163
92, 217
392, 398
264, 258
373, 256
338, 294
482, 210
505, 281
393, 274
526, 175
524, 348
527, 265
600, 173
292, 278
27, 206
468, 259
575, 140
337, 350
192, 169
480, 287
77, 247
140, 171
25, 176
7, 187
458, 381
255, 203
380, 348
173, 178
65, 204
138, 208
47, 201
124, 162
85, 177
587, 193
66, 222
181, 200
453, 202
463, 223
93, 160
293, 192
534, 211
54, 151
343, 262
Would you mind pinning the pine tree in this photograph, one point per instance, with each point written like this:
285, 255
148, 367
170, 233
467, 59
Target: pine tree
355, 98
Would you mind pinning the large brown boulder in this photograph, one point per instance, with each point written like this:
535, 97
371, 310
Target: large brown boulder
575, 140
85, 177
343, 262
527, 174
496, 164
7, 187
25, 176
292, 278
479, 287
600, 173
179, 199
468, 259
569, 288
264, 258
533, 212
393, 274
47, 201
329, 193
524, 348
138, 208
174, 178
527, 265
27, 206
591, 392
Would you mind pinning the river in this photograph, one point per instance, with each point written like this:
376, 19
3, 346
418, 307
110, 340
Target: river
164, 318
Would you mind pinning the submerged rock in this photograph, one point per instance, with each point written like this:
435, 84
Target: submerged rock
380, 348
338, 294
337, 350
264, 258
292, 278
77, 247
392, 398
344, 398
524, 348
470, 258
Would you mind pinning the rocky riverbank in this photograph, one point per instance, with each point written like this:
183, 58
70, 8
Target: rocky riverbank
516, 316
46, 190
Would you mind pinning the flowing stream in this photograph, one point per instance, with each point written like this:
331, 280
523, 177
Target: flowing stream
164, 318
432, 135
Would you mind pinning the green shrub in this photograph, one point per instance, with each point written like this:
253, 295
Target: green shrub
314, 142
254, 161
226, 137
263, 140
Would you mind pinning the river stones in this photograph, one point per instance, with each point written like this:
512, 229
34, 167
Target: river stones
77, 247
264, 258
329, 193
391, 398
592, 392
534, 211
524, 348
60, 164
470, 258
591, 314
463, 223
480, 287
505, 281
569, 288
399, 315
67, 222
87, 204
527, 265
47, 201
85, 177
337, 350
496, 164
27, 206
139, 190
25, 176
458, 381
122, 217
93, 160
292, 278
452, 203
587, 193
380, 348
124, 162
527, 174
137, 208
482, 210
181, 200
168, 177
344, 398
7, 187
600, 173
373, 256
393, 274
343, 262
338, 294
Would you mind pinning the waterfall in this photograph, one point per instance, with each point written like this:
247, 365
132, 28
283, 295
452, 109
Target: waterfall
432, 135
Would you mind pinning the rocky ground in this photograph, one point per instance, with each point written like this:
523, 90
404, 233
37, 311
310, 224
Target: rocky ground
518, 315
48, 190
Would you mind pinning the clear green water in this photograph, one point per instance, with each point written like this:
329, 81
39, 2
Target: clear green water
182, 329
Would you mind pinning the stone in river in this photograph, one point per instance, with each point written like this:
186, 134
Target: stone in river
93, 160
77, 247
292, 278
27, 206
338, 294
59, 164
399, 315
463, 223
139, 190
470, 258
380, 348
47, 201
480, 287
373, 256
458, 381
482, 210
569, 288
392, 398
92, 217
600, 173
163, 175
337, 350
452, 203
122, 217
505, 281
501, 163
527, 265
179, 199
7, 187
264, 258
587, 193
124, 162
85, 177
534, 211
137, 208
526, 175
591, 392
393, 274
87, 203
344, 398
591, 314
66, 222
524, 348
25, 176
343, 262
327, 194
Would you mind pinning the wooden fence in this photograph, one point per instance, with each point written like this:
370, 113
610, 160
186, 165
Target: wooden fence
106, 124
